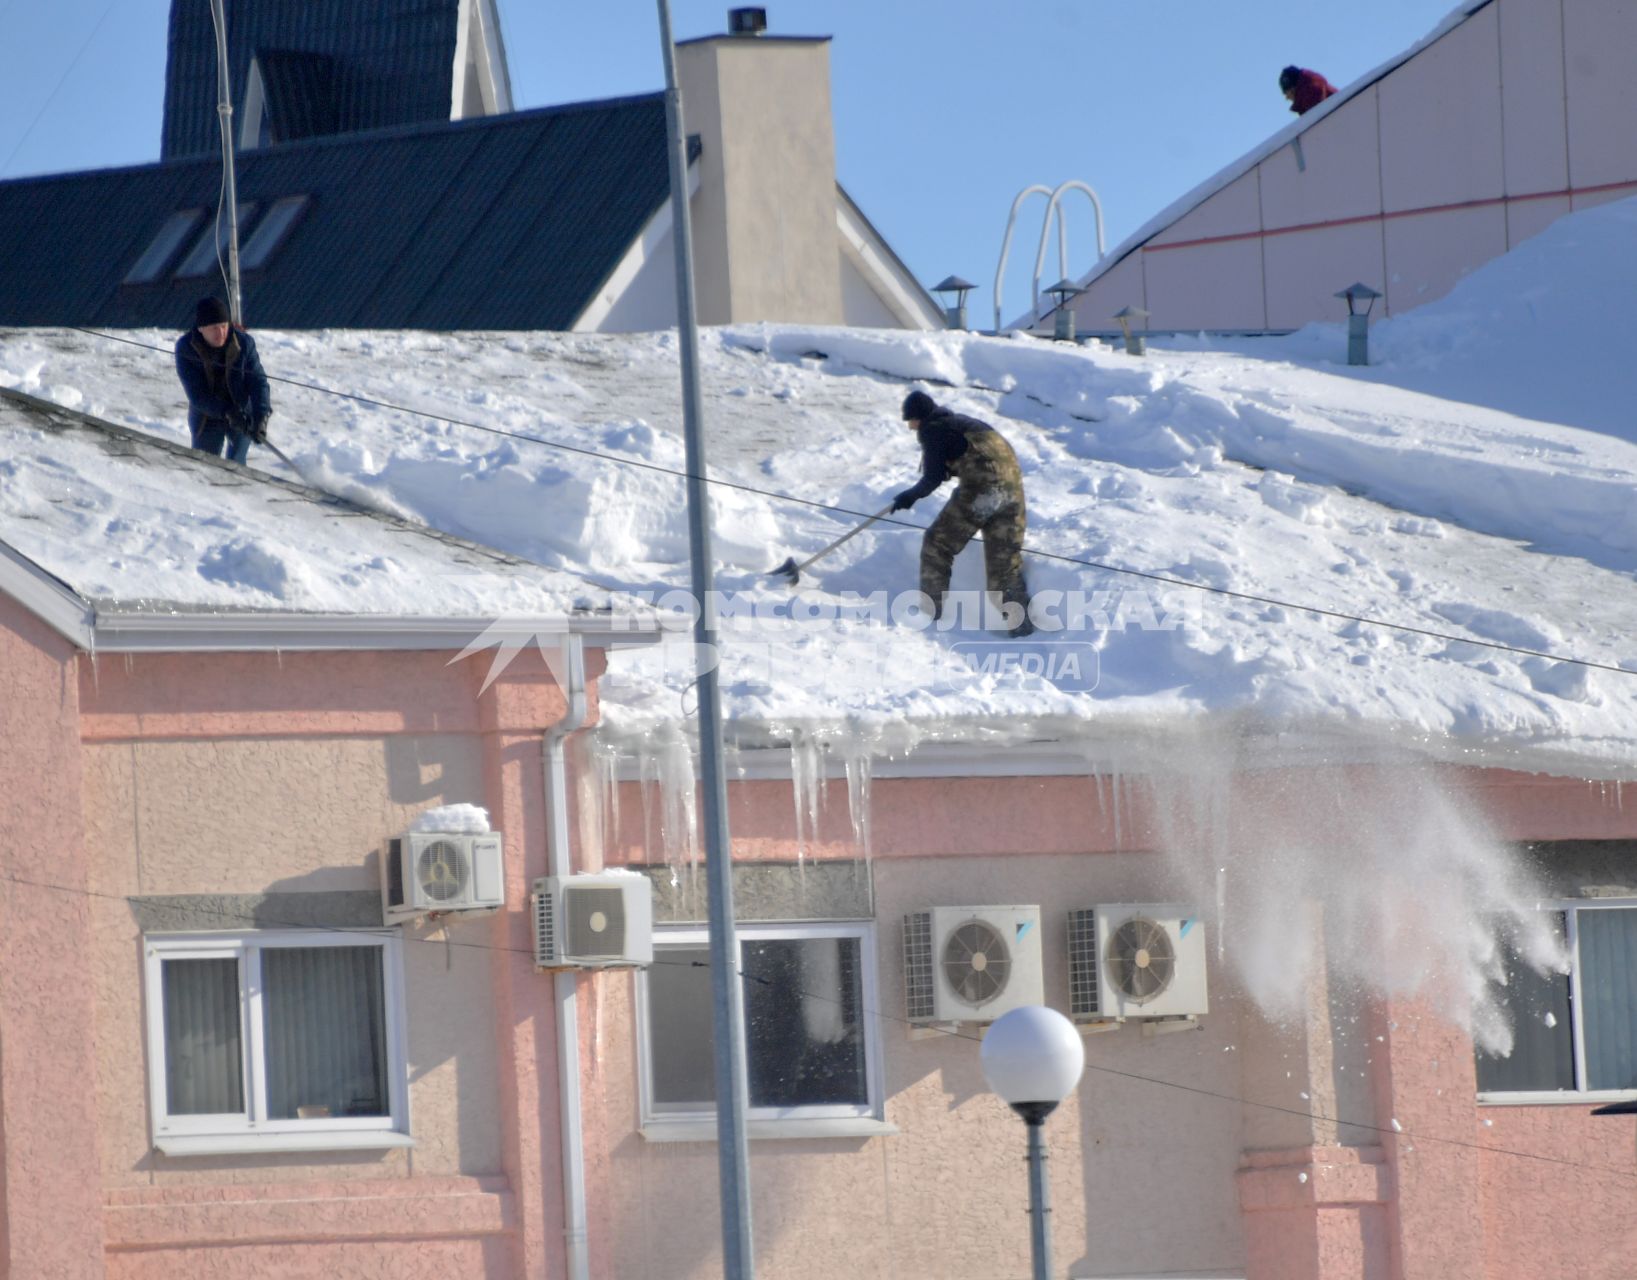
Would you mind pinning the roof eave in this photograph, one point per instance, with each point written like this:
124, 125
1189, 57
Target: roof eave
115, 631
47, 597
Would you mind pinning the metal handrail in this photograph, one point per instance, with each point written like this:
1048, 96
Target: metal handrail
1053, 206
1006, 243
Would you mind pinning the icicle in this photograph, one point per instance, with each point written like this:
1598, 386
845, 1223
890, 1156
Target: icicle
1221, 913
859, 775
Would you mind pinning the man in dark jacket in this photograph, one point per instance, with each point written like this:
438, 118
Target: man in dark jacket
988, 500
1305, 89
228, 400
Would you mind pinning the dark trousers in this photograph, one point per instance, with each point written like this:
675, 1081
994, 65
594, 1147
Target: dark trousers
214, 433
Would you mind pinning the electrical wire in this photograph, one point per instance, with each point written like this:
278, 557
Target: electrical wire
61, 81
261, 922
1247, 597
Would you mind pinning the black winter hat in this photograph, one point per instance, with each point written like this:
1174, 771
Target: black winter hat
1288, 78
211, 310
918, 406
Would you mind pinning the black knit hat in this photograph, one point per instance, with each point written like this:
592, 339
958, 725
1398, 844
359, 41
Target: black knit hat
1288, 78
918, 406
211, 310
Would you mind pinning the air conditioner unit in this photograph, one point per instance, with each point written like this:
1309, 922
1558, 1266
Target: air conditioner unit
971, 964
426, 871
1136, 961
593, 921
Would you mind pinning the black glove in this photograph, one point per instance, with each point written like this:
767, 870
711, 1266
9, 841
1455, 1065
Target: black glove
236, 421
904, 501
258, 431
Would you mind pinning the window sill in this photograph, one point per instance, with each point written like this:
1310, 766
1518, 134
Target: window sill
1556, 1098
705, 1130
249, 1144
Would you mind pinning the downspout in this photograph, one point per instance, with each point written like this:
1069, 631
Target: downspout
560, 863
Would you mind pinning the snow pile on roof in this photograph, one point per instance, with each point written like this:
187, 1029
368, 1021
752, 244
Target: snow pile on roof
1222, 533
1543, 331
136, 524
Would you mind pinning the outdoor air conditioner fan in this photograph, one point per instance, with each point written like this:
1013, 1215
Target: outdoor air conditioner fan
971, 964
1141, 961
1136, 961
976, 962
425, 871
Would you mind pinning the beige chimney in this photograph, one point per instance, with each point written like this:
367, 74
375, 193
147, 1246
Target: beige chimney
766, 245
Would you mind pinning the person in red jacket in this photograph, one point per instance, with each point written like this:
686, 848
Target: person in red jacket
1305, 89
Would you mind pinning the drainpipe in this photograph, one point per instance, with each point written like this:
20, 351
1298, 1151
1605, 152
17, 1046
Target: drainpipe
559, 863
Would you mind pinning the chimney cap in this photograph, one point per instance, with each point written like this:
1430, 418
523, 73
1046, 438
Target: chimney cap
747, 22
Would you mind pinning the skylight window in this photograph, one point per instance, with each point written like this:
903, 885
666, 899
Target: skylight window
157, 256
212, 244
275, 227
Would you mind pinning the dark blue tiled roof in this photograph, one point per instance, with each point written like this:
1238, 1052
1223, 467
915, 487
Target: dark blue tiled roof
505, 222
302, 94
392, 61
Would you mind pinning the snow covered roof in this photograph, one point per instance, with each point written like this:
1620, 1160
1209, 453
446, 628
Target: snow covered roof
124, 540
1269, 545
1190, 201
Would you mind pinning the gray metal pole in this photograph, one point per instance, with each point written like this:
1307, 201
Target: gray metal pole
1358, 339
1040, 1239
733, 1154
224, 111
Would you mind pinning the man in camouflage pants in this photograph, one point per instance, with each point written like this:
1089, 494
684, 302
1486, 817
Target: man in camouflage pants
988, 500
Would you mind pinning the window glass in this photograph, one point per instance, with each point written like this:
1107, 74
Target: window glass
204, 1066
805, 1027
804, 1038
162, 248
212, 244
267, 237
1608, 961
679, 1025
1542, 1054
325, 1032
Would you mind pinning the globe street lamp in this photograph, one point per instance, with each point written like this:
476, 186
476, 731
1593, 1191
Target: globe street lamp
1033, 1057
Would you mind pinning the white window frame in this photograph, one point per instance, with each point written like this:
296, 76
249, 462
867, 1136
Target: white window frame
1578, 1096
698, 1124
251, 1130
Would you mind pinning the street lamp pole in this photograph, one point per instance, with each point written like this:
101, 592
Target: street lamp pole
727, 996
1033, 1057
1040, 1239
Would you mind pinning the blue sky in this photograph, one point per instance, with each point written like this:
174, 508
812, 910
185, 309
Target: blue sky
944, 109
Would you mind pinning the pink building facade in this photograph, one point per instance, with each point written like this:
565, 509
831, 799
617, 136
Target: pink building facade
229, 808
1406, 181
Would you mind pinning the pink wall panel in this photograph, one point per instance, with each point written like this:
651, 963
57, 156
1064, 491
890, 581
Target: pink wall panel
1118, 288
1215, 286
1428, 253
1532, 105
1599, 37
1441, 120
1304, 268
1234, 210
50, 1161
1525, 218
1341, 180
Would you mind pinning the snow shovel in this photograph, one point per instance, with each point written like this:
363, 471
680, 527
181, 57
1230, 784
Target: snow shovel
790, 571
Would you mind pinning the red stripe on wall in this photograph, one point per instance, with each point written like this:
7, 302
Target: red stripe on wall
1570, 192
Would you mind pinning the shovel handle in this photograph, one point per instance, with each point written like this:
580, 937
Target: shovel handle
851, 533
